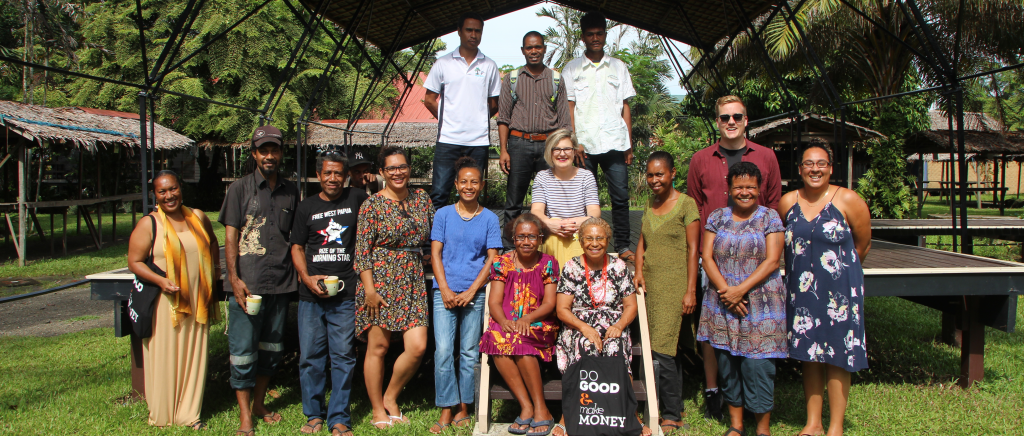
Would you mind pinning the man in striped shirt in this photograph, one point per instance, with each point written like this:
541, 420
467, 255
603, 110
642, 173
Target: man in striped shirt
525, 118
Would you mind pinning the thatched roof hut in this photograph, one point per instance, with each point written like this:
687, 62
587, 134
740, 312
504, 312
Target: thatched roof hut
982, 135
813, 127
367, 133
82, 127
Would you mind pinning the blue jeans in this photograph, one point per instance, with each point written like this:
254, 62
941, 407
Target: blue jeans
327, 335
468, 321
254, 341
445, 156
613, 165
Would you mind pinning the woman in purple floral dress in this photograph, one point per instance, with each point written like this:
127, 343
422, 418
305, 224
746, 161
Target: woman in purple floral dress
828, 233
744, 312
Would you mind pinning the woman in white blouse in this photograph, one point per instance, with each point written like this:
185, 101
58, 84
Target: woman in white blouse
564, 196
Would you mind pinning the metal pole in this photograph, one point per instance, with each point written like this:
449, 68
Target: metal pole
142, 152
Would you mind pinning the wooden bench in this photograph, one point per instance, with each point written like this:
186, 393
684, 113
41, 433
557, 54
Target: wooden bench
642, 378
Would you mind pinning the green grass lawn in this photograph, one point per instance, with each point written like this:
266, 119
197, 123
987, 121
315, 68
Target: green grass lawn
76, 384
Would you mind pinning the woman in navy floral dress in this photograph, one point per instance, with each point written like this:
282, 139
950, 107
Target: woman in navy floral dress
828, 233
744, 315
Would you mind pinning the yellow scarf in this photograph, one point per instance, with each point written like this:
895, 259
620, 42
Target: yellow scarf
177, 269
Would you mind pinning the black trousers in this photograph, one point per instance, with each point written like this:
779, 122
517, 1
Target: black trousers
669, 376
526, 159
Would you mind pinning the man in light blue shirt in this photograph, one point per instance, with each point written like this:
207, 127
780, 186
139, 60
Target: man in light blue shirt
598, 87
468, 84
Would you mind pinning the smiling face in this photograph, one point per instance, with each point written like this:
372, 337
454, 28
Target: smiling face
594, 240
659, 176
526, 237
594, 39
744, 192
268, 157
732, 129
813, 175
470, 33
563, 153
534, 50
467, 184
395, 171
332, 177
167, 191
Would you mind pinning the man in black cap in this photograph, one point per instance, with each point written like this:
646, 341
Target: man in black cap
361, 175
257, 216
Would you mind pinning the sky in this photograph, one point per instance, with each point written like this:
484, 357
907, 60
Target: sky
503, 37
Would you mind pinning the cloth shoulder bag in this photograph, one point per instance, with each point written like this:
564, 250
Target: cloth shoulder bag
142, 299
598, 398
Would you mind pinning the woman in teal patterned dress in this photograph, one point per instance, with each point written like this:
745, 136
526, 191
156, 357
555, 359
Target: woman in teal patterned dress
828, 233
391, 295
744, 312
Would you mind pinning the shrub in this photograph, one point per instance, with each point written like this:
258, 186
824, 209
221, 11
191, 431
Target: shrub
886, 185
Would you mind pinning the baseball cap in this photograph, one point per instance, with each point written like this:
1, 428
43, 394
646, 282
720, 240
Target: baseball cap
265, 134
356, 158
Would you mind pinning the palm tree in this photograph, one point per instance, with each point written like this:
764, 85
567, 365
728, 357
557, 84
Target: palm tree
863, 56
566, 36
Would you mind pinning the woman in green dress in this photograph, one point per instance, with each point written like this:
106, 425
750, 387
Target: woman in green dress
670, 231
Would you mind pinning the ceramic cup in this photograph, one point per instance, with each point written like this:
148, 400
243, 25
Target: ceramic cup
252, 304
333, 285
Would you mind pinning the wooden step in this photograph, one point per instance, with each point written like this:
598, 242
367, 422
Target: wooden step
553, 391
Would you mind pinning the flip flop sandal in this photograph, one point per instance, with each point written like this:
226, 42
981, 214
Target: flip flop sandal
544, 423
674, 427
464, 418
315, 428
347, 430
560, 426
269, 418
400, 418
240, 432
520, 431
733, 430
440, 427
385, 424
198, 425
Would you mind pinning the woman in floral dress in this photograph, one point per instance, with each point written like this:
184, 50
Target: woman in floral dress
744, 313
391, 295
826, 286
523, 325
596, 303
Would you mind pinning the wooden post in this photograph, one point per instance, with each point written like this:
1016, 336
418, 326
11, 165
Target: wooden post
22, 197
81, 177
972, 350
483, 402
64, 235
1002, 187
651, 409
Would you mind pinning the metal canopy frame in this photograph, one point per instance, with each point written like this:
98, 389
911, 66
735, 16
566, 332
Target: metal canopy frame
313, 13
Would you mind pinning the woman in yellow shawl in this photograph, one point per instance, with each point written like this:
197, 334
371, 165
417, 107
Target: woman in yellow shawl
174, 357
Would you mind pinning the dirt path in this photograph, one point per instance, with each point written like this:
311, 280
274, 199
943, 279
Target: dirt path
55, 313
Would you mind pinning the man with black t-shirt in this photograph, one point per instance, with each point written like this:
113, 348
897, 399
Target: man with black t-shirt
323, 244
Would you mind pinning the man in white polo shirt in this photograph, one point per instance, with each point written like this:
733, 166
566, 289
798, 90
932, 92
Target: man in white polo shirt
469, 84
597, 87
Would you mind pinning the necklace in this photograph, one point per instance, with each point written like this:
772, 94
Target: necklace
471, 216
590, 288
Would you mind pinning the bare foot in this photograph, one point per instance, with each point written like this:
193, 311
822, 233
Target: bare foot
266, 415
340, 430
394, 413
381, 420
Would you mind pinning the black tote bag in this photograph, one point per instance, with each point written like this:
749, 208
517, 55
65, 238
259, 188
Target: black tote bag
598, 398
142, 299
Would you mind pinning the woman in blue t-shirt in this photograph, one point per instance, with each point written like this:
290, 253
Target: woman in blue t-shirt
464, 241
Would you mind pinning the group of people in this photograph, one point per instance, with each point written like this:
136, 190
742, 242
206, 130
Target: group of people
708, 261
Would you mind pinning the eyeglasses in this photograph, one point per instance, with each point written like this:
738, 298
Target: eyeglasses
531, 238
735, 117
561, 150
811, 164
588, 239
397, 169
